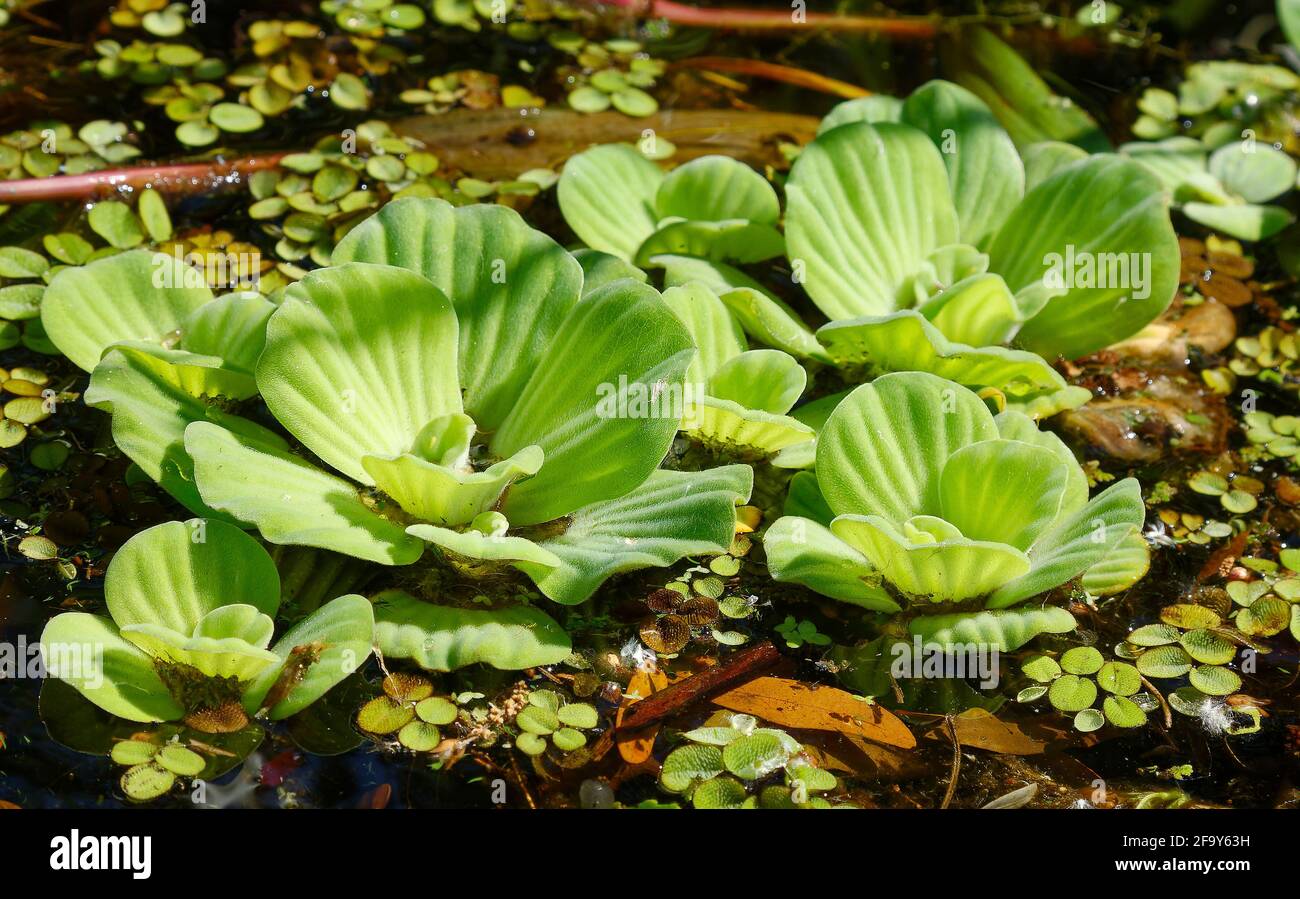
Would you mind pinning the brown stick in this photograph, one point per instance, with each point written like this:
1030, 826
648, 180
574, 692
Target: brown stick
738, 668
198, 177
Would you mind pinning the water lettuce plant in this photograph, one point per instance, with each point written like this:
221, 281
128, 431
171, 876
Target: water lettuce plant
445, 369
928, 245
740, 396
922, 498
191, 609
1227, 189
619, 202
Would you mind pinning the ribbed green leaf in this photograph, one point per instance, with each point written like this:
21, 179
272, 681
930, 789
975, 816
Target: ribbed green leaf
289, 500
801, 551
231, 327
1078, 542
1045, 158
884, 446
445, 495
766, 380
152, 404
1107, 209
672, 515
618, 345
865, 205
1005, 630
444, 638
736, 240
904, 341
87, 652
358, 358
138, 295
228, 657
1121, 568
984, 169
335, 640
743, 433
713, 188
511, 287
876, 108
978, 311
949, 569
174, 574
607, 196
764, 316
716, 334
1004, 491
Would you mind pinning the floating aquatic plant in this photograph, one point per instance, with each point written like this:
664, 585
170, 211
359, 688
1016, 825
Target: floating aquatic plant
922, 496
927, 241
378, 373
191, 619
1080, 676
722, 761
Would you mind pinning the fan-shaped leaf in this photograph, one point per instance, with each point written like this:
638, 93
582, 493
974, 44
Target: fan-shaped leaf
607, 195
713, 188
1007, 630
801, 551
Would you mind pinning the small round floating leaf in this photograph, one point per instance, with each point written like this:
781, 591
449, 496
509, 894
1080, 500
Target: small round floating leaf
531, 744
67, 247
1238, 502
50, 456
437, 710
384, 715
407, 687
16, 262
711, 587
11, 433
1123, 712
724, 566
634, 102
815, 780
349, 92
1164, 662
1208, 483
1188, 701
19, 302
27, 410
196, 134
1081, 660
38, 548
1267, 616
1088, 720
1041, 668
116, 223
1030, 694
133, 752
145, 782
537, 720
713, 736
1214, 680
666, 634
235, 118
1189, 617
1120, 678
719, 793
1071, 693
545, 699
588, 99
755, 756
153, 213
419, 736
568, 739
1208, 647
578, 714
179, 760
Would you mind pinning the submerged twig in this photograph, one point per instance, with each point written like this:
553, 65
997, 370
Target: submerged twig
1169, 717
737, 668
737, 19
775, 72
956, 762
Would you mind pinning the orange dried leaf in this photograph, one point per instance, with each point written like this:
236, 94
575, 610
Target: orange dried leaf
636, 749
801, 706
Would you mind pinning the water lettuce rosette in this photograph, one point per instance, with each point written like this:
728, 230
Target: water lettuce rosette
191, 619
452, 376
923, 499
919, 231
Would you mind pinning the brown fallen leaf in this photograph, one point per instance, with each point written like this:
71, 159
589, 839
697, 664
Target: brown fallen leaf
978, 729
636, 747
851, 754
802, 706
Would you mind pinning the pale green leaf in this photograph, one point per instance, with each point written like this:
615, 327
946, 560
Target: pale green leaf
1005, 630
607, 197
714, 188
801, 551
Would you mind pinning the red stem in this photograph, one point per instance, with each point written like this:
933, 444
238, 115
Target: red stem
908, 27
182, 178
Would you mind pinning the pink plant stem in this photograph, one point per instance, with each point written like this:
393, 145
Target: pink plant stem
734, 19
186, 178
